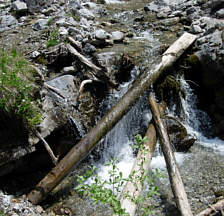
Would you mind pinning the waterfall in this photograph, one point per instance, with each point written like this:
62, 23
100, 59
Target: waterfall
196, 121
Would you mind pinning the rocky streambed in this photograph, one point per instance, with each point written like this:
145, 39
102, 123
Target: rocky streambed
118, 37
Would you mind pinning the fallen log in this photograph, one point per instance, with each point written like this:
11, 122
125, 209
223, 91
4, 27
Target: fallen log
173, 171
80, 150
219, 206
139, 170
82, 58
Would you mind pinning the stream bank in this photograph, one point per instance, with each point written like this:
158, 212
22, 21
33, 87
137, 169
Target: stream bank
142, 32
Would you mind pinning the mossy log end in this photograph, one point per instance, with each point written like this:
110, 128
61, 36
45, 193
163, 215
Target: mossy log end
79, 151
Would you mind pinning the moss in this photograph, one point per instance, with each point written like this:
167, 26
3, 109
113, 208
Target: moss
17, 87
193, 59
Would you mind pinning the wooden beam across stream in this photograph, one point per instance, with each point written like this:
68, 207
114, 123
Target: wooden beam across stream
171, 164
80, 150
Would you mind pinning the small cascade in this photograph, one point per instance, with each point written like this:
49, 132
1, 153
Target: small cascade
119, 141
196, 121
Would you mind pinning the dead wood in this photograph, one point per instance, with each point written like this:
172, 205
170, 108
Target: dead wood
174, 175
140, 170
80, 150
219, 206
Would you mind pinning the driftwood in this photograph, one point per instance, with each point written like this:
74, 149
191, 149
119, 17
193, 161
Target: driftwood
139, 170
75, 43
219, 206
48, 148
80, 150
174, 175
82, 58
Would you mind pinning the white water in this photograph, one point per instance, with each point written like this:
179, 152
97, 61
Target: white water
197, 121
119, 140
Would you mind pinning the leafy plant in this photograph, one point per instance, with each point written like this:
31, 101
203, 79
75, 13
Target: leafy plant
50, 21
16, 87
54, 38
2, 213
107, 192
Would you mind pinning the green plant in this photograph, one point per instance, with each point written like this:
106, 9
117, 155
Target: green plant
107, 192
50, 21
54, 38
16, 87
2, 213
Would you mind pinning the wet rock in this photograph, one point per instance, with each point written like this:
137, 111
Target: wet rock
178, 135
7, 22
57, 104
40, 24
19, 7
117, 36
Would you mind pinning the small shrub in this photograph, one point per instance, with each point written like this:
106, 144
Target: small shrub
16, 87
54, 38
107, 192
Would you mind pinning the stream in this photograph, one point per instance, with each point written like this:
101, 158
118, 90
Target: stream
202, 167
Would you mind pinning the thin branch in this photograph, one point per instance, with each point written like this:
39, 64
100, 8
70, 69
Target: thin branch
48, 148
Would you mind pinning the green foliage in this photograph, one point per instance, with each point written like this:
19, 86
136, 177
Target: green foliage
2, 213
107, 192
50, 21
54, 38
16, 87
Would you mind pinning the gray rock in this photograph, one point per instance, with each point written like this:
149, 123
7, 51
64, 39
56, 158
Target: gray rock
152, 7
19, 7
101, 34
86, 14
40, 24
170, 21
63, 31
48, 11
35, 54
69, 69
38, 5
196, 29
118, 36
161, 15
7, 21
89, 48
220, 13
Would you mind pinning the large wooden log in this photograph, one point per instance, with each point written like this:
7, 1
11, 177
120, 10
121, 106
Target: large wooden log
79, 151
174, 175
139, 170
219, 206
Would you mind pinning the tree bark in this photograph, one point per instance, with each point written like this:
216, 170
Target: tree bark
79, 151
174, 175
140, 169
219, 206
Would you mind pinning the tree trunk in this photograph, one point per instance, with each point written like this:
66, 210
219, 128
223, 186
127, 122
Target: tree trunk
79, 151
140, 169
219, 206
174, 175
